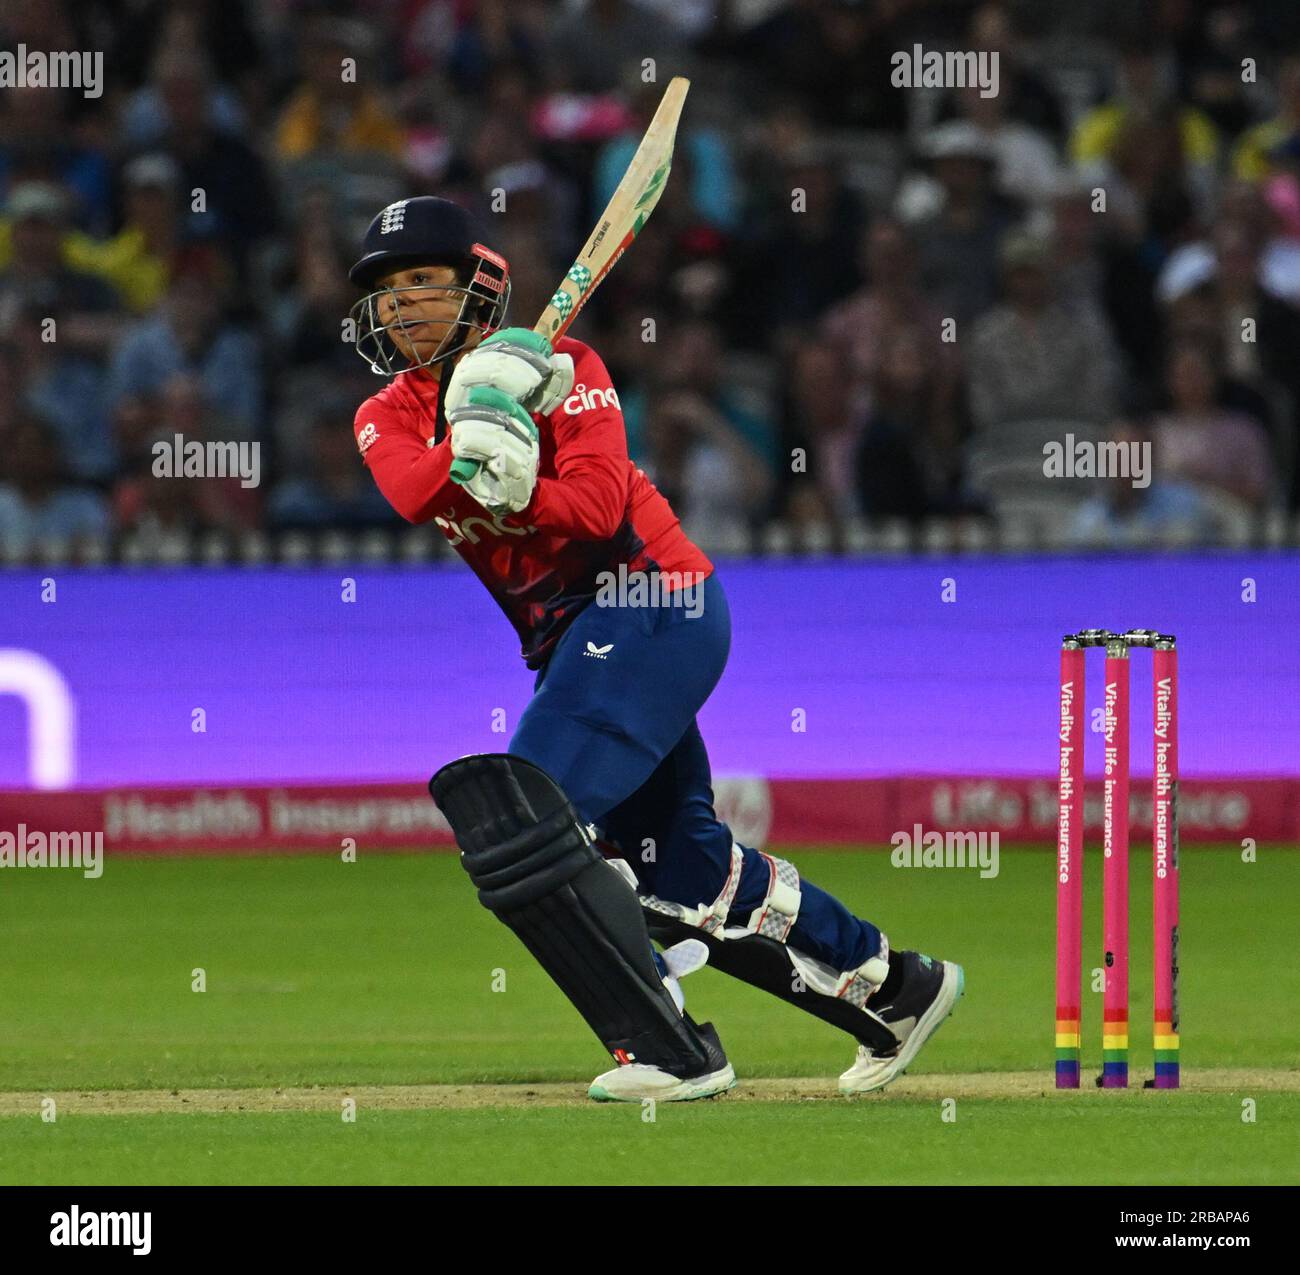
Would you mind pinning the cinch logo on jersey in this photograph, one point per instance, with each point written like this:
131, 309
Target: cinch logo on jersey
98, 1230
582, 397
463, 530
366, 439
392, 217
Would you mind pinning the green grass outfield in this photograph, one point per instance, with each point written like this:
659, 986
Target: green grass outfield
375, 981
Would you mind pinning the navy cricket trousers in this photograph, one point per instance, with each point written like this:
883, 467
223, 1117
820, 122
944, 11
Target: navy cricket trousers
612, 721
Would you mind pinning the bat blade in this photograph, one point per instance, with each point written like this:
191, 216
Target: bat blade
629, 208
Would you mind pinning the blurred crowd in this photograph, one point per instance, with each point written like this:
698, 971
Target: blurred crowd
855, 301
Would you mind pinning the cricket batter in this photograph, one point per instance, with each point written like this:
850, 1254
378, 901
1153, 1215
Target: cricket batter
517, 452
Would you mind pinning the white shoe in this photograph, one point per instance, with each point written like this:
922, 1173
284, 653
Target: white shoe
637, 1082
928, 993
634, 1082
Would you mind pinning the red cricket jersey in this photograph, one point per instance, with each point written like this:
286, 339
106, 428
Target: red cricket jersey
592, 510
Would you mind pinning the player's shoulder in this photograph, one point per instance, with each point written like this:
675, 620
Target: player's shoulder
384, 411
384, 402
593, 387
579, 351
588, 367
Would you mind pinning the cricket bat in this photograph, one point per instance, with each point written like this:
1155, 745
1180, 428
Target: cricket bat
629, 209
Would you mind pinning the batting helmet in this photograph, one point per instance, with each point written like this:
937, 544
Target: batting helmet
426, 230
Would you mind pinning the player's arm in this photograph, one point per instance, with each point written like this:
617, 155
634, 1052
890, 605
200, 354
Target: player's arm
413, 477
587, 499
492, 394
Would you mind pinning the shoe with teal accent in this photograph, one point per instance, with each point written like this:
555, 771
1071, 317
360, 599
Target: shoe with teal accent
925, 995
635, 1082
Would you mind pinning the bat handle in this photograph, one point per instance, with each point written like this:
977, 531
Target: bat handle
463, 470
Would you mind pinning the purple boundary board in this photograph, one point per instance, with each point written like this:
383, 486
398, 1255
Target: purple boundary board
299, 685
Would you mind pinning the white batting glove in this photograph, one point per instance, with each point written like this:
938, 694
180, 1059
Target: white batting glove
495, 445
517, 362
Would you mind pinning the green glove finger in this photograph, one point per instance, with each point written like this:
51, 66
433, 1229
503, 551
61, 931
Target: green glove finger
463, 469
500, 401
